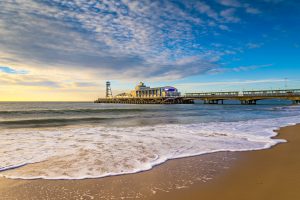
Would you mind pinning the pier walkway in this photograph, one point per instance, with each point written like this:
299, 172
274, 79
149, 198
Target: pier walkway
245, 97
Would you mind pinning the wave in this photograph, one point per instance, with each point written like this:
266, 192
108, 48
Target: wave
54, 121
66, 111
92, 152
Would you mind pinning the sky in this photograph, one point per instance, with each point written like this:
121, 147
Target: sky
65, 50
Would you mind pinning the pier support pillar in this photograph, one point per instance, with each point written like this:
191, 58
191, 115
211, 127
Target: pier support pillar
248, 102
296, 102
211, 101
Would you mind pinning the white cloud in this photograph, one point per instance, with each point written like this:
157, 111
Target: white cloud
206, 9
236, 4
252, 45
252, 10
230, 3
229, 15
228, 83
237, 69
251, 67
224, 27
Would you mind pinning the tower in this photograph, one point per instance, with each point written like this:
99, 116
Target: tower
108, 90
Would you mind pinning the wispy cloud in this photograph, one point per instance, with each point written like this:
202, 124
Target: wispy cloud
238, 69
251, 67
237, 4
252, 45
252, 10
231, 3
202, 7
11, 79
229, 83
229, 15
85, 84
114, 38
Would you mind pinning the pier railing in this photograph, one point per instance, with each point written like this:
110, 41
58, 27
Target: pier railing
258, 93
212, 94
245, 97
295, 92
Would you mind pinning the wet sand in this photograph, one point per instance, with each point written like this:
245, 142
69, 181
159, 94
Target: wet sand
261, 175
267, 174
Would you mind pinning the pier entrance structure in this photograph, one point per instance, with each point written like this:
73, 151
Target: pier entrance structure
142, 91
246, 97
143, 94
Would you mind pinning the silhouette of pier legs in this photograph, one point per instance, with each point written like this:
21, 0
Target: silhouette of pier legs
215, 101
248, 102
296, 102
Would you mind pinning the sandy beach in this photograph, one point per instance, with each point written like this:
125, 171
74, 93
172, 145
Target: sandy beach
265, 174
150, 100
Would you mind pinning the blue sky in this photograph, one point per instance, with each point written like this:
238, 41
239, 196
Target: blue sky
66, 50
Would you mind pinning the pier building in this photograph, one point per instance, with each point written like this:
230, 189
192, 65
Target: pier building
143, 94
143, 91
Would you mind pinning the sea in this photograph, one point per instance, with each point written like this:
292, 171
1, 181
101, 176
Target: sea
78, 140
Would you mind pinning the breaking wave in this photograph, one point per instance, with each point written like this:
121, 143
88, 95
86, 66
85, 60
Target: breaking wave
91, 152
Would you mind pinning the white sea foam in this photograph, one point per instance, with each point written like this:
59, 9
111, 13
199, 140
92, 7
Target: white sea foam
89, 152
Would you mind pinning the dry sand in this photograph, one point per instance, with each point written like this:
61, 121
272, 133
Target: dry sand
267, 174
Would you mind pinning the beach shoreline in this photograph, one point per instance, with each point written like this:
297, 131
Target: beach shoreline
264, 174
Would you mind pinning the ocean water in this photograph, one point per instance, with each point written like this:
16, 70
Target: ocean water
64, 140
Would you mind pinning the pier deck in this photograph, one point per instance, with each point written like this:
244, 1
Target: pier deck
245, 97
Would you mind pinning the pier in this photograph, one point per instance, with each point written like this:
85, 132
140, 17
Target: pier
143, 94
